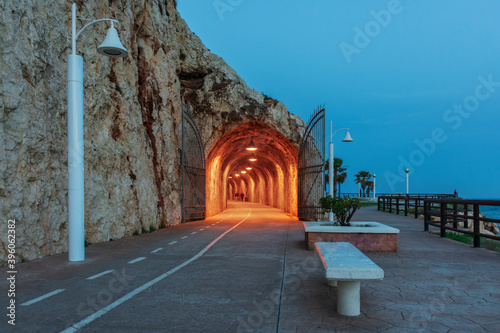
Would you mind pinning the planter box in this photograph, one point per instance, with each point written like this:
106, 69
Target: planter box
366, 236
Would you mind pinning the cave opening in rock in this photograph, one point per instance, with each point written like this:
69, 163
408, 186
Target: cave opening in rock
270, 180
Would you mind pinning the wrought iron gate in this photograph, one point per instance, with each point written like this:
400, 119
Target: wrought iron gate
193, 170
311, 168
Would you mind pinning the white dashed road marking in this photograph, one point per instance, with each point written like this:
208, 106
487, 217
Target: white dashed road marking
136, 260
84, 322
171, 243
99, 275
194, 232
158, 249
38, 299
184, 237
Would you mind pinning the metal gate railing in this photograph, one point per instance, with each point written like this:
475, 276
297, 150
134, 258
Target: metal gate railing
193, 170
311, 178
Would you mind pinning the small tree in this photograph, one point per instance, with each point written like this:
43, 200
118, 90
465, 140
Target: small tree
343, 208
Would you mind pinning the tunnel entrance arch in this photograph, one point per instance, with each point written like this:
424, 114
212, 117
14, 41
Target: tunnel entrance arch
193, 170
311, 173
270, 180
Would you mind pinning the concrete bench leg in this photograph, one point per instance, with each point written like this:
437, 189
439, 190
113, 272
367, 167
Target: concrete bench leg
348, 299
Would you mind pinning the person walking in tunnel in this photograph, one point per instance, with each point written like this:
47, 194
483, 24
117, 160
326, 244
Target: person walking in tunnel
242, 197
237, 195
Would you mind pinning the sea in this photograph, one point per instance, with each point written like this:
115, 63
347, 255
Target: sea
492, 212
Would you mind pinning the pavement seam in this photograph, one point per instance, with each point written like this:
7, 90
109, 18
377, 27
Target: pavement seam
282, 277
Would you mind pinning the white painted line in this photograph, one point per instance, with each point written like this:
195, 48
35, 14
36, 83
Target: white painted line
171, 243
202, 229
213, 224
184, 237
147, 285
100, 274
158, 249
208, 227
38, 299
136, 260
194, 232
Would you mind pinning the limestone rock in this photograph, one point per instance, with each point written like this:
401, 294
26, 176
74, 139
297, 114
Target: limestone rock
132, 117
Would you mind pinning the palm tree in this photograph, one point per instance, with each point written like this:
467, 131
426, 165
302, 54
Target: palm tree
339, 174
362, 178
369, 187
341, 177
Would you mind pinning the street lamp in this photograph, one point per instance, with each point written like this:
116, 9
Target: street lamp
347, 138
374, 184
111, 47
407, 181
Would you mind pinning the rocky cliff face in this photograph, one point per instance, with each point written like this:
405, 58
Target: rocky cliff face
132, 118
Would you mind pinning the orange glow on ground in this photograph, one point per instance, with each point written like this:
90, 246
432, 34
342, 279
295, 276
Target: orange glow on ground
272, 179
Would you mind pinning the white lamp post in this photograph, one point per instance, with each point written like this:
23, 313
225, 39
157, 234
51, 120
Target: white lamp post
374, 185
407, 181
111, 47
347, 138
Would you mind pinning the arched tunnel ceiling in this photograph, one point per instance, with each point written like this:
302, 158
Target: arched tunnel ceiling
273, 178
272, 146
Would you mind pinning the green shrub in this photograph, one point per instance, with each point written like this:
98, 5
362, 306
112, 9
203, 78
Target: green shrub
343, 208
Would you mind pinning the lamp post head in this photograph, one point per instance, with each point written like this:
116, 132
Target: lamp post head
407, 170
347, 137
112, 47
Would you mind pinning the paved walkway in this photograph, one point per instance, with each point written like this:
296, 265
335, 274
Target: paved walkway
247, 270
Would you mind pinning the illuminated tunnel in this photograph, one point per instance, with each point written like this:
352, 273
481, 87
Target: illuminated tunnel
272, 179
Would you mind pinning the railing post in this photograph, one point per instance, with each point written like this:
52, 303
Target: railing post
426, 216
466, 214
390, 204
455, 218
407, 202
443, 219
397, 206
417, 203
378, 204
477, 238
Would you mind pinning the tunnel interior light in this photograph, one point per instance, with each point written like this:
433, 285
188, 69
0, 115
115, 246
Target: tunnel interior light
252, 158
248, 168
251, 146
230, 177
237, 175
243, 171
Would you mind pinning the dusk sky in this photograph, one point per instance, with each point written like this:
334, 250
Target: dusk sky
417, 82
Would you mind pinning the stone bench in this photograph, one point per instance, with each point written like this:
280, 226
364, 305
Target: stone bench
345, 267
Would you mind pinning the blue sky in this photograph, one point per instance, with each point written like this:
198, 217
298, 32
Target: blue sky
417, 82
